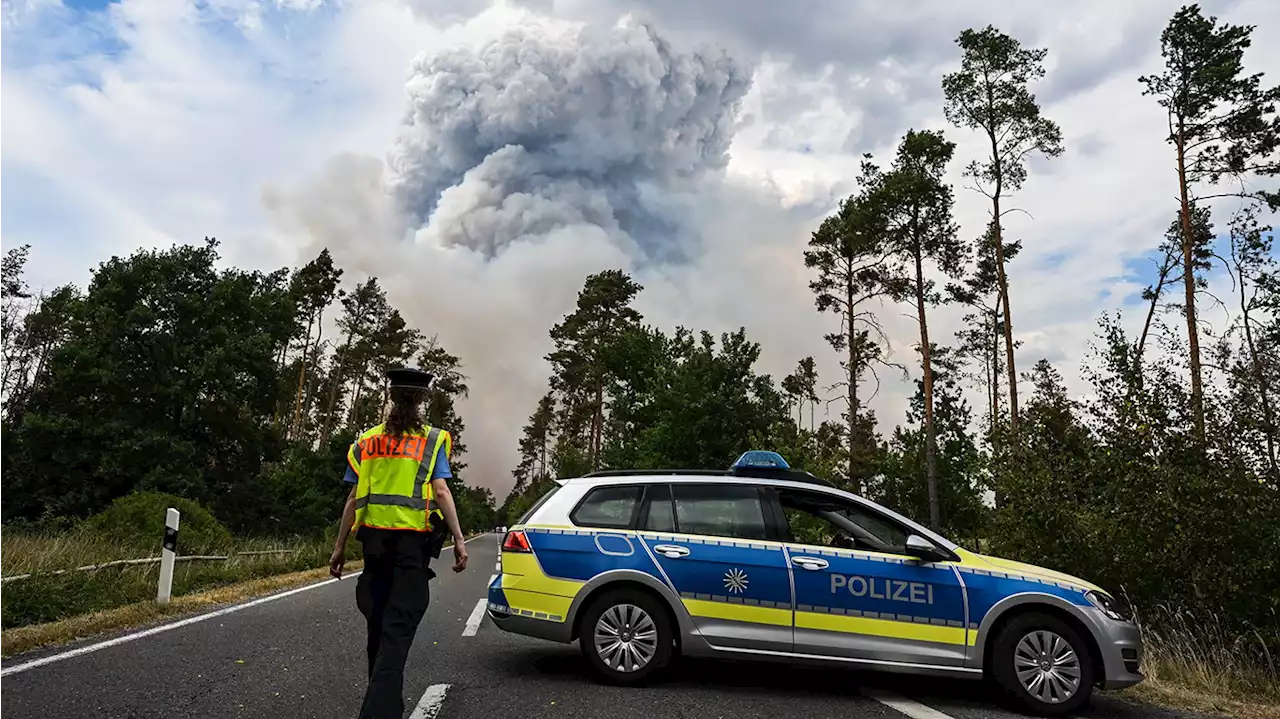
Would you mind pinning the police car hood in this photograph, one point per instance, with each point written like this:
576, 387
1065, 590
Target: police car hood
1008, 565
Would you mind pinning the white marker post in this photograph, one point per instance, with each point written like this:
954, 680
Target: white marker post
167, 555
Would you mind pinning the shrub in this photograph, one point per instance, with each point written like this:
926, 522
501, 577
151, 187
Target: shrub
137, 520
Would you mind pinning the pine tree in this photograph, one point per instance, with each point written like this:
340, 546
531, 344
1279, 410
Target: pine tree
845, 252
990, 93
581, 339
915, 205
1223, 125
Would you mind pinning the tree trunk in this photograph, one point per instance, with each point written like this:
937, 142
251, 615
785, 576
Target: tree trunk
1008, 320
995, 366
855, 482
1264, 387
1189, 285
308, 399
597, 424
998, 497
1003, 278
302, 378
353, 416
280, 361
990, 363
1165, 268
930, 432
333, 391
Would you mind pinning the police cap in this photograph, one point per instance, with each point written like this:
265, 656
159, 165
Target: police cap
409, 377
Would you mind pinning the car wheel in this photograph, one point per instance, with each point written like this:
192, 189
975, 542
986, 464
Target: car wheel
626, 636
1043, 664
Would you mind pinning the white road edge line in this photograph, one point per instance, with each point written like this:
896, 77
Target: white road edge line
477, 616
429, 705
80, 651
163, 628
913, 709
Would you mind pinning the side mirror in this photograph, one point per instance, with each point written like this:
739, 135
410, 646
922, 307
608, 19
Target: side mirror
922, 548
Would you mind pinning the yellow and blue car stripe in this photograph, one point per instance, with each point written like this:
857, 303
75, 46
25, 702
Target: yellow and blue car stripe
862, 593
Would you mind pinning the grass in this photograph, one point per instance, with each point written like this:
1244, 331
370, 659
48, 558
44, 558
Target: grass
1197, 662
43, 597
27, 638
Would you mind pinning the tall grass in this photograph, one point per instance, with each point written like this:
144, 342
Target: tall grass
1199, 654
46, 597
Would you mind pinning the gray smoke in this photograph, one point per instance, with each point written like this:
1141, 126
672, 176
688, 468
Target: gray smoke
548, 127
541, 156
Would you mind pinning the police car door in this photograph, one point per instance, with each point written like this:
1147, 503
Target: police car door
858, 598
710, 541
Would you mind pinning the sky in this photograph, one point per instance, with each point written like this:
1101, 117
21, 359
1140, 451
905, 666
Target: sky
481, 159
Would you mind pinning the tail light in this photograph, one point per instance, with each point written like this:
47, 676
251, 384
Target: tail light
515, 541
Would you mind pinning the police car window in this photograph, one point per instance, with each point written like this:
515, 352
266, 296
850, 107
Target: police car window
720, 510
659, 515
824, 521
536, 505
610, 507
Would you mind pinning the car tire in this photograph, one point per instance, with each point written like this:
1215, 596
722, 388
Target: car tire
1048, 652
626, 636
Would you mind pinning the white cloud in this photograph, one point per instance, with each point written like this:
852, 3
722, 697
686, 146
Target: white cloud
266, 124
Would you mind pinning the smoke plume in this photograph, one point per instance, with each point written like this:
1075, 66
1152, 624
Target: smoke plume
551, 127
529, 161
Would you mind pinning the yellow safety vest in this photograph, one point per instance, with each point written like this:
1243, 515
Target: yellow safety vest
394, 488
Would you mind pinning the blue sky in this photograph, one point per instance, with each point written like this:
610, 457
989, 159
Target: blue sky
268, 124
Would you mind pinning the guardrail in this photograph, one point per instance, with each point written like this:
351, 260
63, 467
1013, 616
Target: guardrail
116, 563
166, 558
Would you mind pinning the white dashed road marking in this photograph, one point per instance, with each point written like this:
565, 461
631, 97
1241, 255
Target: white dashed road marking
913, 709
473, 622
429, 705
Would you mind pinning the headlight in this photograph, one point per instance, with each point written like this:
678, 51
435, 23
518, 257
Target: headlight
1109, 606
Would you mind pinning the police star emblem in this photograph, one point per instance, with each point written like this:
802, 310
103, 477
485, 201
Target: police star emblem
735, 580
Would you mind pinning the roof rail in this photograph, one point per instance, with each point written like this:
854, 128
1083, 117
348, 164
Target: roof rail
649, 472
793, 475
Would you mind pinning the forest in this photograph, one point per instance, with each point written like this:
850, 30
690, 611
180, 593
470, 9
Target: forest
169, 375
233, 389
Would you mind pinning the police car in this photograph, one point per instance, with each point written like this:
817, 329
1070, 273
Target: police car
761, 561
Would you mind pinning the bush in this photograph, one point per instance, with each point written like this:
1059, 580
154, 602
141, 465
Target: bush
137, 520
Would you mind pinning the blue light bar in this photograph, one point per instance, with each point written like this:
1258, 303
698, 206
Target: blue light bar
759, 458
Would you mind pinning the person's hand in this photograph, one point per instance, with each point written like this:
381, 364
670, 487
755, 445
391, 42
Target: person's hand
336, 560
459, 555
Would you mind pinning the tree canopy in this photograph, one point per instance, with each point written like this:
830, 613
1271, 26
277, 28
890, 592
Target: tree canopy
167, 374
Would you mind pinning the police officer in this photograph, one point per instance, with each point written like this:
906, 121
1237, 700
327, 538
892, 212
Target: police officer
398, 471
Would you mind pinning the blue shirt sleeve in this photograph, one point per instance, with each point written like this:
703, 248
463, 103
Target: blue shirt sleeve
441, 470
351, 477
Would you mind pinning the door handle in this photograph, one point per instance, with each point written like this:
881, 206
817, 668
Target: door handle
810, 563
671, 551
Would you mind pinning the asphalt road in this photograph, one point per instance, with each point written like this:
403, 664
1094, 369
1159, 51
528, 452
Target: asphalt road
303, 656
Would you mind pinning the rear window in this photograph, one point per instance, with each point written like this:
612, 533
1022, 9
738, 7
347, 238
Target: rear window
538, 504
608, 507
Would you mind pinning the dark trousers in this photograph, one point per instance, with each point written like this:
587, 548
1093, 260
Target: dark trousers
392, 594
